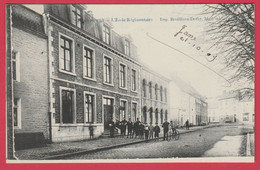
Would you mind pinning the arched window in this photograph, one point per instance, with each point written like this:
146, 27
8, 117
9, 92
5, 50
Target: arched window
161, 116
144, 114
151, 115
161, 93
144, 87
166, 115
156, 115
165, 94
156, 91
150, 90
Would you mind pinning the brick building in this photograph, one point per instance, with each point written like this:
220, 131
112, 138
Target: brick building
74, 71
29, 76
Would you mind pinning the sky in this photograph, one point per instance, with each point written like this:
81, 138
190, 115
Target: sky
177, 38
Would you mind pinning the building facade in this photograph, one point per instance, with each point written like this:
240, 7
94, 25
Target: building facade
154, 97
94, 73
29, 76
187, 104
71, 71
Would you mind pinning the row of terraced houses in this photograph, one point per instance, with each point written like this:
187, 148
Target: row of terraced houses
70, 71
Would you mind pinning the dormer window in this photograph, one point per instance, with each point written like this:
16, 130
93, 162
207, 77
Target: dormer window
76, 16
127, 47
106, 34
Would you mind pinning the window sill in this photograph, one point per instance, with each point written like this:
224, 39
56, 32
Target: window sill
134, 91
123, 88
91, 79
112, 85
66, 72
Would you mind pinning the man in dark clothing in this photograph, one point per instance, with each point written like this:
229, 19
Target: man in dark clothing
156, 131
136, 128
111, 126
165, 129
141, 130
146, 131
187, 125
129, 128
124, 123
91, 131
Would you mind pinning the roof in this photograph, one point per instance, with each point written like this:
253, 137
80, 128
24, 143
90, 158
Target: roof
187, 88
146, 67
91, 26
27, 20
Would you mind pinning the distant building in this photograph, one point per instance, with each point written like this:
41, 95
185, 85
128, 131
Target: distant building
233, 108
187, 104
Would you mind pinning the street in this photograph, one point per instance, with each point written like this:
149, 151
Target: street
193, 144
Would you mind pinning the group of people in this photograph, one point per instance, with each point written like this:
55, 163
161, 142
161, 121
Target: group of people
138, 129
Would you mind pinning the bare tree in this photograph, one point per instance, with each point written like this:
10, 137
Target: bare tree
233, 32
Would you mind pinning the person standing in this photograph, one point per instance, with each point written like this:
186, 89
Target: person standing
151, 129
156, 131
187, 124
111, 126
124, 123
129, 129
91, 131
136, 127
141, 130
165, 129
146, 131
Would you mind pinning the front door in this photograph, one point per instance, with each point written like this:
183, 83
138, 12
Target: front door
108, 110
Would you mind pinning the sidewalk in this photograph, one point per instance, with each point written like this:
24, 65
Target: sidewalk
61, 150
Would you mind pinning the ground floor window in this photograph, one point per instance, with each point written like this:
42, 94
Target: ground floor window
144, 115
161, 116
17, 112
156, 116
151, 115
67, 106
134, 111
89, 108
246, 117
122, 110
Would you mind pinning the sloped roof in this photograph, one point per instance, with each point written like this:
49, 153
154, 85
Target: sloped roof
27, 20
187, 88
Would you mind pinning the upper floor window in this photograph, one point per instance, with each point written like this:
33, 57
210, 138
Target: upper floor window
66, 61
161, 93
144, 87
127, 47
133, 80
165, 94
122, 75
156, 91
150, 90
107, 70
106, 34
16, 66
76, 16
88, 63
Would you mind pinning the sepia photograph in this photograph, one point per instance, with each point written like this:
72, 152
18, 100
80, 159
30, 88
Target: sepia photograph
130, 83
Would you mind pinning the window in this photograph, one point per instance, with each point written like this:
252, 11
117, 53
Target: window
67, 105
156, 91
144, 88
88, 63
133, 80
165, 94
122, 75
89, 108
16, 66
150, 90
127, 47
17, 112
166, 115
66, 54
107, 70
161, 116
161, 93
144, 115
246, 117
151, 115
106, 34
156, 116
134, 111
122, 110
76, 16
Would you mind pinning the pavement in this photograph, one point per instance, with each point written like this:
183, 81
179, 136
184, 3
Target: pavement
62, 150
